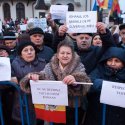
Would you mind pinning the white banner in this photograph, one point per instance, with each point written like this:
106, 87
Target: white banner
5, 69
49, 92
81, 22
113, 93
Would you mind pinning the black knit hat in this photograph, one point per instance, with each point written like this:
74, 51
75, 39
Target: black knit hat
90, 34
122, 26
36, 30
23, 44
3, 47
9, 36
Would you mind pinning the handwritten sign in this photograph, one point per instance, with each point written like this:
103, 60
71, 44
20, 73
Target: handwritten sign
113, 93
23, 27
5, 69
58, 11
49, 92
81, 22
41, 23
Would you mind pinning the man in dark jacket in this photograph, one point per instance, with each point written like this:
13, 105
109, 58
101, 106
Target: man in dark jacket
10, 42
37, 37
89, 54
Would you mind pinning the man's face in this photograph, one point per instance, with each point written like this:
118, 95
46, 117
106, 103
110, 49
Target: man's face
10, 43
37, 39
122, 34
83, 41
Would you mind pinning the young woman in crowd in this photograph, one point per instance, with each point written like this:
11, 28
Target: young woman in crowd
96, 40
64, 66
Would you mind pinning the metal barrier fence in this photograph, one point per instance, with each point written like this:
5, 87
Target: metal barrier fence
17, 88
24, 101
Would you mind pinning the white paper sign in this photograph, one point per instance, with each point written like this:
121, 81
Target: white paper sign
23, 27
41, 23
113, 93
5, 69
81, 22
58, 11
49, 92
0, 26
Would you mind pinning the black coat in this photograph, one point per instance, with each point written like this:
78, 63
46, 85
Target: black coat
91, 56
114, 115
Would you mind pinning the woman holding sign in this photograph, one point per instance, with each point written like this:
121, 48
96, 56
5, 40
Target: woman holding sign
26, 62
64, 66
110, 68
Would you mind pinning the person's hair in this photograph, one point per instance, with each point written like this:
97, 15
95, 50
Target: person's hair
94, 35
23, 37
66, 43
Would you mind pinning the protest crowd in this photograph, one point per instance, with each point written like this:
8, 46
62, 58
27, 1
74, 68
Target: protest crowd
93, 54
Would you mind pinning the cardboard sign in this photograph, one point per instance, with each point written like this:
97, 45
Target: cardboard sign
49, 92
81, 22
113, 93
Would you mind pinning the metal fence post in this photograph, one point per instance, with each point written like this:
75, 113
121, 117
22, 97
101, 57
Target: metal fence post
103, 114
76, 110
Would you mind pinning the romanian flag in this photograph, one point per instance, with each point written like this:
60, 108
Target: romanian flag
51, 113
105, 4
115, 7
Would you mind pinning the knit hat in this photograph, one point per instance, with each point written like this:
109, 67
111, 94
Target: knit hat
122, 26
36, 30
3, 47
9, 36
90, 34
23, 44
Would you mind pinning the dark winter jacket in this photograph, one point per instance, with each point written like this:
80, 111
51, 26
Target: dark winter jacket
114, 115
46, 53
21, 68
92, 55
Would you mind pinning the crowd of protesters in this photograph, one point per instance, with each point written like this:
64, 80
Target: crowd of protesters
68, 57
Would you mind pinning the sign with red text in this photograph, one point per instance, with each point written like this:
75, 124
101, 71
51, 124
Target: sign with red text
81, 22
49, 92
113, 93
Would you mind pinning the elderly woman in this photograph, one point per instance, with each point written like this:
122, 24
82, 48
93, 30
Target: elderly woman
26, 62
110, 68
64, 66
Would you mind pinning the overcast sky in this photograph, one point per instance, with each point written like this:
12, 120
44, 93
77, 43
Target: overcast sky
122, 5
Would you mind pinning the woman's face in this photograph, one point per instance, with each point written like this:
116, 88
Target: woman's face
64, 55
97, 41
115, 63
3, 53
28, 53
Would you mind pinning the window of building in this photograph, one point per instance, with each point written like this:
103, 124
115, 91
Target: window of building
20, 10
6, 11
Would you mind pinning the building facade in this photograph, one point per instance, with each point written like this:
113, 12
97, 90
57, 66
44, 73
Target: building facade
37, 8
